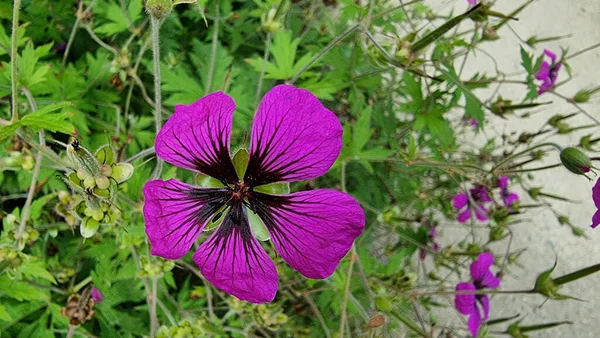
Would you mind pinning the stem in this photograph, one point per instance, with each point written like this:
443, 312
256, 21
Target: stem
36, 173
141, 154
512, 171
153, 317
71, 331
512, 157
213, 51
71, 36
99, 41
346, 291
587, 49
263, 70
155, 23
318, 314
81, 284
13, 59
475, 292
353, 256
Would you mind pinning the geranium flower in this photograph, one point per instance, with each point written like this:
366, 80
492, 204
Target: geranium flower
294, 137
472, 2
473, 304
596, 198
508, 198
548, 73
476, 204
431, 235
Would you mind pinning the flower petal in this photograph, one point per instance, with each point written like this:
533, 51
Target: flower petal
293, 138
196, 137
485, 304
175, 214
465, 303
474, 322
311, 230
460, 200
551, 55
503, 182
233, 260
481, 213
464, 216
510, 199
543, 72
596, 193
596, 219
480, 271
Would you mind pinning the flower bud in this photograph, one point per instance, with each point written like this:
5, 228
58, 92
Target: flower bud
575, 161
159, 9
97, 296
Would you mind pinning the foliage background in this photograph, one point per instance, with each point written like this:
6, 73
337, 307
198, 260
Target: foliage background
89, 81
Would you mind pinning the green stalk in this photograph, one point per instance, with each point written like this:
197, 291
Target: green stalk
263, 70
13, 59
155, 23
512, 157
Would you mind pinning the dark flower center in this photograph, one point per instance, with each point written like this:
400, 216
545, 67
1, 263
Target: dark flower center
240, 190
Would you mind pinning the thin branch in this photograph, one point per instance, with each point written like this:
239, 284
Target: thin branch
13, 59
155, 23
34, 177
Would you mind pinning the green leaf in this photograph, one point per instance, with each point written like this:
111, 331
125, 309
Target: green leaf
38, 205
361, 131
4, 315
283, 51
21, 290
45, 118
35, 268
7, 131
441, 130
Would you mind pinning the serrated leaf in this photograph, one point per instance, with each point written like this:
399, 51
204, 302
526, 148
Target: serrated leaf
45, 118
4, 315
35, 268
361, 131
7, 131
21, 290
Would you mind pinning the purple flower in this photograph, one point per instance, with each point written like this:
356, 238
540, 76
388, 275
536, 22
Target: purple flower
474, 123
294, 137
509, 198
476, 204
97, 296
472, 2
596, 198
472, 304
431, 235
548, 73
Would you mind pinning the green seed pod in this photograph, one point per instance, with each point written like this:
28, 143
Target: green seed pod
83, 159
575, 161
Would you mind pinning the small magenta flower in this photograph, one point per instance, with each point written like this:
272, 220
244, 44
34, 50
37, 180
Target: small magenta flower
596, 198
431, 235
473, 304
97, 296
472, 2
508, 198
548, 72
476, 204
294, 137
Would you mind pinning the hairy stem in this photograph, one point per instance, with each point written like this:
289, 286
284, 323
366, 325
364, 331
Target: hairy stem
153, 316
155, 23
36, 173
213, 50
13, 59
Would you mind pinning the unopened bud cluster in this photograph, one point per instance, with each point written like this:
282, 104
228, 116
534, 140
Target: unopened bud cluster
94, 181
17, 160
152, 267
11, 260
